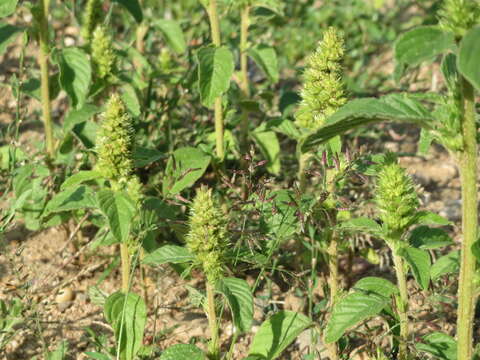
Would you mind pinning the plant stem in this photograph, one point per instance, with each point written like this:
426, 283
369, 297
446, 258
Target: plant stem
244, 85
215, 30
43, 55
402, 304
302, 168
125, 257
333, 282
468, 176
214, 348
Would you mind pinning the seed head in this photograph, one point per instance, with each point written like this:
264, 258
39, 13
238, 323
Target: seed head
323, 92
92, 17
396, 198
115, 144
458, 16
207, 238
103, 55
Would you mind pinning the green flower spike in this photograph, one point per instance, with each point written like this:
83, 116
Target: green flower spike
396, 198
115, 145
322, 93
92, 17
459, 16
207, 238
103, 56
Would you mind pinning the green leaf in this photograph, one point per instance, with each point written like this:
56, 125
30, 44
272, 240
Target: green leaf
173, 34
376, 285
419, 262
7, 7
439, 345
172, 254
446, 264
97, 355
361, 112
183, 352
426, 139
80, 177
8, 34
86, 133
119, 210
214, 72
279, 216
468, 57
133, 7
351, 310
130, 98
266, 59
449, 71
427, 238
422, 44
184, 167
240, 300
32, 87
276, 333
127, 314
73, 198
430, 218
270, 148
361, 224
60, 353
75, 75
75, 117
144, 156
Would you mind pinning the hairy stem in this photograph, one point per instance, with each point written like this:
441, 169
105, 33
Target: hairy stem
333, 283
125, 257
244, 85
402, 304
43, 56
214, 348
215, 31
468, 176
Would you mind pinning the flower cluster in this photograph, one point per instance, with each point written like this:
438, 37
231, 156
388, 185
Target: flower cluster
103, 55
92, 17
207, 238
459, 16
115, 145
396, 198
323, 90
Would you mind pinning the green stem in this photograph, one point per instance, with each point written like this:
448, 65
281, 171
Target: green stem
402, 304
214, 348
468, 175
125, 257
244, 84
43, 56
215, 30
333, 283
302, 168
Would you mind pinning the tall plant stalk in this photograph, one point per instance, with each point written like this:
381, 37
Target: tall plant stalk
402, 305
214, 349
333, 283
43, 58
216, 40
467, 161
244, 83
125, 260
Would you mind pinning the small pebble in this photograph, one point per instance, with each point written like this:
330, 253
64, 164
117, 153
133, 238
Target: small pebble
64, 295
